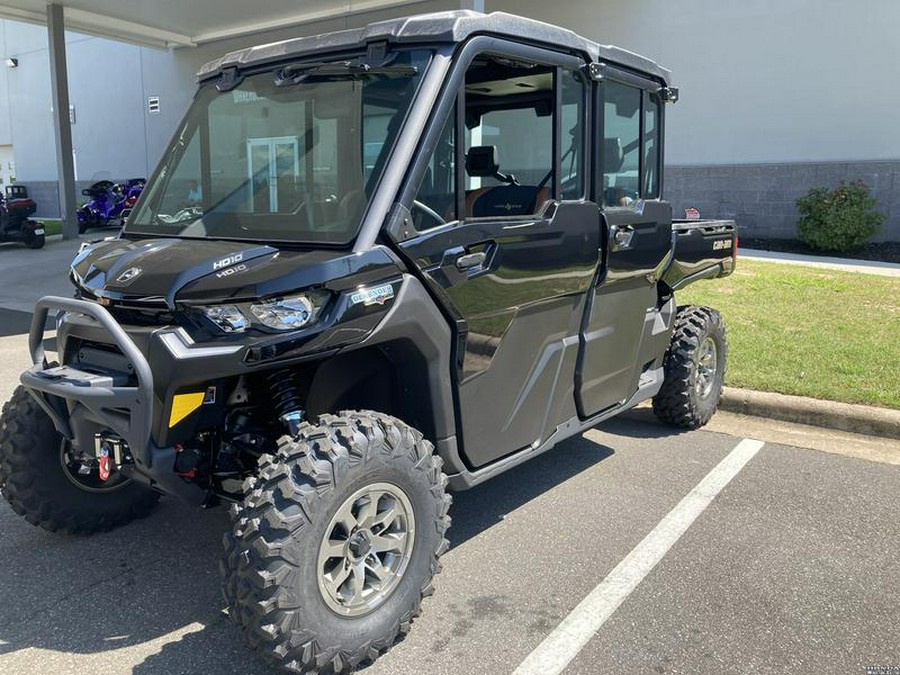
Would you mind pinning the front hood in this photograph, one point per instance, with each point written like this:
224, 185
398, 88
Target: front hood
200, 271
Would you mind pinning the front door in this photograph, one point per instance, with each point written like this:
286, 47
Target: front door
514, 249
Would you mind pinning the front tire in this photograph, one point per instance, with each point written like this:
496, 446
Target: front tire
694, 369
33, 477
336, 543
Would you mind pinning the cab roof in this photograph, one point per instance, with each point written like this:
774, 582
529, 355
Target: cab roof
436, 28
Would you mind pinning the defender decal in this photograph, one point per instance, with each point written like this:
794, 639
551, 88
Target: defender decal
373, 296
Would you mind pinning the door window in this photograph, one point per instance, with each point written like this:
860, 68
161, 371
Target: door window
508, 145
574, 90
436, 200
632, 121
621, 144
651, 148
509, 137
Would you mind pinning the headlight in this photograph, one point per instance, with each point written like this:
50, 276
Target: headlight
287, 313
227, 317
290, 313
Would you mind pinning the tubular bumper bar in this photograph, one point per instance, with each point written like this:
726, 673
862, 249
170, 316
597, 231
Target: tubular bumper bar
126, 410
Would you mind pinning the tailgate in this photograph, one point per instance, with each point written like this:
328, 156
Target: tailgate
704, 249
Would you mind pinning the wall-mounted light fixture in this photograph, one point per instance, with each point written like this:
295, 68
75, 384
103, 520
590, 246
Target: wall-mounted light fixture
12, 62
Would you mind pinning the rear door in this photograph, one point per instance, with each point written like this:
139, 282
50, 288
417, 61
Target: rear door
637, 228
508, 240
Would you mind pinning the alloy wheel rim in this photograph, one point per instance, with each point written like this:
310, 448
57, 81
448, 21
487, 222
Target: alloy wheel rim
89, 482
366, 549
707, 366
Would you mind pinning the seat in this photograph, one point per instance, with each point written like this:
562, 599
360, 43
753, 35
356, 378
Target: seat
509, 199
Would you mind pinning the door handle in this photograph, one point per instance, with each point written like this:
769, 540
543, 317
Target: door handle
622, 237
470, 260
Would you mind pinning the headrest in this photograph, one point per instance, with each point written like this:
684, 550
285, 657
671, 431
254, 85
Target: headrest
481, 160
613, 157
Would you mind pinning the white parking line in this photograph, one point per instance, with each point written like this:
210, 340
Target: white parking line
574, 632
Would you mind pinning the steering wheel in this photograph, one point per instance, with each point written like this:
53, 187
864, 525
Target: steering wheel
428, 211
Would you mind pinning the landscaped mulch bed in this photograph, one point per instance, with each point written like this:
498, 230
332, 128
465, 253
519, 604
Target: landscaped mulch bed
884, 252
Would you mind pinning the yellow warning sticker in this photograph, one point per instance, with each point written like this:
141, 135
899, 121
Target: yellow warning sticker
183, 405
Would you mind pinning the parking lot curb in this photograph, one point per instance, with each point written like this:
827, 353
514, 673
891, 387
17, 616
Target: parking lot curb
860, 419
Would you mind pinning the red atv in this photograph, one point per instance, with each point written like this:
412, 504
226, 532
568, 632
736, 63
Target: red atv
15, 222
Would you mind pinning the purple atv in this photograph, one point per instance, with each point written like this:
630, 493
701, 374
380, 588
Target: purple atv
107, 202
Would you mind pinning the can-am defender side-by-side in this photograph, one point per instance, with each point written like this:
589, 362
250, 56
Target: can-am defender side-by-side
373, 266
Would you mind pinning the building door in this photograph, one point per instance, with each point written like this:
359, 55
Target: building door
273, 166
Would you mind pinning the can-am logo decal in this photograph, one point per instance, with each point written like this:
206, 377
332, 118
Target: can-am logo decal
228, 262
373, 296
128, 275
721, 244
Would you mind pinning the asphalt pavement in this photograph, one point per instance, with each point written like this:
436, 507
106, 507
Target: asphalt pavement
792, 568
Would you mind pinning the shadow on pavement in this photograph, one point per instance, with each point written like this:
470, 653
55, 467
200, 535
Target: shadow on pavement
14, 322
639, 423
481, 507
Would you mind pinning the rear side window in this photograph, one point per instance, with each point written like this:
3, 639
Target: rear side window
650, 180
631, 144
574, 90
621, 144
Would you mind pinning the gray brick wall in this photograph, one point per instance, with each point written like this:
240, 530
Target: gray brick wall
760, 197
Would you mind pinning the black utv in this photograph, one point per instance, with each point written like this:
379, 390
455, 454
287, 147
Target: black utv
373, 266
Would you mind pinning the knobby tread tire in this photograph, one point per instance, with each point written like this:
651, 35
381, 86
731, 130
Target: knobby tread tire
282, 504
33, 482
676, 403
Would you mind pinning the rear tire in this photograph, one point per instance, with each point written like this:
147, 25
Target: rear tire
292, 559
34, 482
33, 240
694, 369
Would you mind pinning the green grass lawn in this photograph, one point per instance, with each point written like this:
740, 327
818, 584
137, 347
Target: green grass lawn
51, 226
809, 331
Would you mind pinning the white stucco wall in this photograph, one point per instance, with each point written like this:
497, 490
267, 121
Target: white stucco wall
761, 80
104, 87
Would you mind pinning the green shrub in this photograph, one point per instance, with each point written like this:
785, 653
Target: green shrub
838, 220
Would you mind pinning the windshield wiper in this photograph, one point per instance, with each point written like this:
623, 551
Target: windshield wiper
295, 74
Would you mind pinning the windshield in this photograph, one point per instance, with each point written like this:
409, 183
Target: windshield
291, 155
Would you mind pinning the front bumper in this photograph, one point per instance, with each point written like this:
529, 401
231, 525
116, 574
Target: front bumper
121, 402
